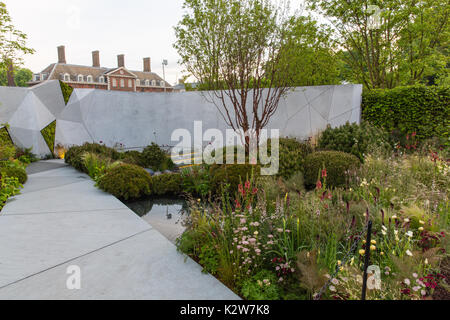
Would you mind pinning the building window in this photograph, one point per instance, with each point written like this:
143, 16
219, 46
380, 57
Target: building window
90, 78
66, 77
147, 83
114, 82
80, 78
42, 77
161, 83
138, 82
101, 79
122, 83
154, 83
130, 83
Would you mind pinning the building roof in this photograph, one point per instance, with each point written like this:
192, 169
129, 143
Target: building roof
56, 71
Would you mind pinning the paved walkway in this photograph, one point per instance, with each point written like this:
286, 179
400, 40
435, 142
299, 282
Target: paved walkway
61, 219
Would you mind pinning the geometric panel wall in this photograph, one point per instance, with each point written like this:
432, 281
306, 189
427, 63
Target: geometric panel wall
27, 111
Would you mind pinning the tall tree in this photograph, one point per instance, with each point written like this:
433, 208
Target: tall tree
391, 42
12, 44
239, 49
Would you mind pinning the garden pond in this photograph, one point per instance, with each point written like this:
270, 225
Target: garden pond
164, 214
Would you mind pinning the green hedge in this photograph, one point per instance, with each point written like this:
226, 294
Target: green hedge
167, 184
420, 109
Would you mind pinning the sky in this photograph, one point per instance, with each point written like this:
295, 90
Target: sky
136, 28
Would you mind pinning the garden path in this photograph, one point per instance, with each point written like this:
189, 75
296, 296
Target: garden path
62, 220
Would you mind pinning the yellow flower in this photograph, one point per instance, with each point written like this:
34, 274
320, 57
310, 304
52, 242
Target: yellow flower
339, 262
362, 252
394, 217
382, 253
364, 241
421, 229
373, 242
373, 248
422, 222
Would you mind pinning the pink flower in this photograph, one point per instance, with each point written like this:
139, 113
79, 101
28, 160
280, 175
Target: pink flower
319, 185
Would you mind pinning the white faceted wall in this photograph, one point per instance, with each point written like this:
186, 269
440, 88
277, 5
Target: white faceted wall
137, 119
27, 111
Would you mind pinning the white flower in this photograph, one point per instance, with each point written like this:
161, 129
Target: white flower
415, 275
406, 220
383, 232
407, 282
384, 228
409, 253
332, 289
416, 288
423, 292
410, 234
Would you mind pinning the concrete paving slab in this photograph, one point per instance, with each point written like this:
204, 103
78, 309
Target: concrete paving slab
42, 166
68, 198
146, 267
32, 243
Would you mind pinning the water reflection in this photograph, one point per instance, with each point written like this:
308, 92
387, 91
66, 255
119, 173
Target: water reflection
165, 215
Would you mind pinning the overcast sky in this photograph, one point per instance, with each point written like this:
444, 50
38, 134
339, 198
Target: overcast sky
136, 28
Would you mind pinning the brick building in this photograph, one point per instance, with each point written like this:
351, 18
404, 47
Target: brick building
97, 77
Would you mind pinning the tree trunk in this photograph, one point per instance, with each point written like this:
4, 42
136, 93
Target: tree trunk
10, 75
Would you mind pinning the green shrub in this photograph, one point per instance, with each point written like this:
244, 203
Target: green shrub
74, 156
229, 176
335, 162
420, 109
262, 286
196, 181
132, 157
292, 154
15, 172
7, 149
9, 186
126, 182
167, 184
355, 139
155, 158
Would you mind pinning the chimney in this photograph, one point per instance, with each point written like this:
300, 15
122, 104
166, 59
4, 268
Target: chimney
62, 54
121, 60
96, 59
147, 65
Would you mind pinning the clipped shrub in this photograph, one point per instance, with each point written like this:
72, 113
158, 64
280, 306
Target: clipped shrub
335, 162
229, 176
155, 158
420, 109
292, 156
126, 182
167, 184
7, 149
15, 172
355, 139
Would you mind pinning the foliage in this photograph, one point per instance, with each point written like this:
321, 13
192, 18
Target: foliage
126, 182
131, 157
228, 177
209, 259
424, 111
66, 91
155, 158
7, 149
12, 45
356, 139
49, 136
389, 43
9, 186
14, 172
196, 181
262, 286
336, 163
26, 156
74, 155
21, 77
237, 48
167, 184
292, 154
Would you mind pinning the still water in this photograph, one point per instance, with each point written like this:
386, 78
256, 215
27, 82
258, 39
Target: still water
165, 215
